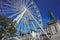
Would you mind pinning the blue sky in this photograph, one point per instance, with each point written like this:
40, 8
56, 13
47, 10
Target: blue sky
45, 5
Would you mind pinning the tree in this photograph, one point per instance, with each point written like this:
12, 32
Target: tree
7, 26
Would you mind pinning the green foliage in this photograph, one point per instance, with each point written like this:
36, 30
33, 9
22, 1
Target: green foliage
8, 26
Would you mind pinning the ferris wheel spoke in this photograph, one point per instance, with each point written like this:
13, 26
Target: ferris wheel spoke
36, 9
5, 8
13, 2
24, 21
22, 2
19, 17
30, 4
20, 24
12, 15
5, 5
27, 1
33, 26
9, 5
30, 7
27, 24
7, 11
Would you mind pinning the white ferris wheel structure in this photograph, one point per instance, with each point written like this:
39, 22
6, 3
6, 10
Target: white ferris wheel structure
24, 12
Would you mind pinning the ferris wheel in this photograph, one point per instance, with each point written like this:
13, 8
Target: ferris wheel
25, 12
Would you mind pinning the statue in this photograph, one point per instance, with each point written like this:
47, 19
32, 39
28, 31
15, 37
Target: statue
51, 15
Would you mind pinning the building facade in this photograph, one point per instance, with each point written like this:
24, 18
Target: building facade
53, 28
